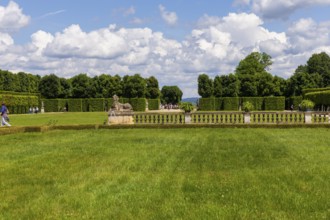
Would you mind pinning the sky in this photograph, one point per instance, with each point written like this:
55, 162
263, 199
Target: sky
173, 40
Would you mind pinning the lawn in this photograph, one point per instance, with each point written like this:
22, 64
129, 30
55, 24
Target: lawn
60, 118
200, 173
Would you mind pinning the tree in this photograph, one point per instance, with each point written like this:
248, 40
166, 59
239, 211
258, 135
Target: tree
134, 86
171, 94
23, 82
302, 80
280, 86
320, 64
217, 86
65, 88
253, 75
230, 85
205, 86
152, 90
116, 86
9, 81
82, 86
254, 63
49, 86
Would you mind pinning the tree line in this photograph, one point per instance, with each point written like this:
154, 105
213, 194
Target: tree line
82, 86
253, 79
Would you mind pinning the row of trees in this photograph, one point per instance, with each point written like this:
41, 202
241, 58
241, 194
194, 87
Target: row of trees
83, 86
251, 78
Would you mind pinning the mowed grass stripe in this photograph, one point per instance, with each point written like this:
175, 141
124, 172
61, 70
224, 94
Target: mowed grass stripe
166, 174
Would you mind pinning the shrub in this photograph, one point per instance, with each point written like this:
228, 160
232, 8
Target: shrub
247, 107
186, 106
257, 102
307, 105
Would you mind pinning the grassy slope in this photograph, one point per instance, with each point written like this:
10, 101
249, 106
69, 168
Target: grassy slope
164, 174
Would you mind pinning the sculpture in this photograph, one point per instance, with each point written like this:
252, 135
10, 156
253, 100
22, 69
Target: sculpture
119, 107
123, 113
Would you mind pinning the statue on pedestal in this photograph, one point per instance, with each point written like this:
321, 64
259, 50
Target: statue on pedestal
120, 113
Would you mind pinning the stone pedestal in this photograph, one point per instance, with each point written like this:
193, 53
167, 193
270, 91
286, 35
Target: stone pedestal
308, 117
120, 119
187, 118
247, 118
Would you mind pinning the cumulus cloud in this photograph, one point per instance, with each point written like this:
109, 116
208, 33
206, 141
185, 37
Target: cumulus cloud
169, 17
280, 8
5, 41
214, 46
12, 18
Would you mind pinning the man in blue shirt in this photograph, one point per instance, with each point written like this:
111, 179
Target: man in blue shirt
4, 115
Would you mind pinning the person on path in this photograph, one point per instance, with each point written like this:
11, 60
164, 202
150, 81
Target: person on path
4, 115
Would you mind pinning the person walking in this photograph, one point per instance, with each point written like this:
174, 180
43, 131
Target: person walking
4, 115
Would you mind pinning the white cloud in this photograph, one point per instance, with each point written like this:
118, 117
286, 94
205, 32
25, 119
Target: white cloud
5, 41
215, 46
12, 18
280, 8
73, 42
306, 35
137, 21
129, 11
169, 17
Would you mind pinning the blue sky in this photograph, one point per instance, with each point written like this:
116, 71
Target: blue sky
173, 40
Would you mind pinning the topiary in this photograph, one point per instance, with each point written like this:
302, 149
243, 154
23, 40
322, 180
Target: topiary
186, 106
307, 105
248, 106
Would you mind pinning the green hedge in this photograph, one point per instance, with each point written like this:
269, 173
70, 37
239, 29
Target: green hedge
206, 104
257, 102
153, 104
276, 103
230, 103
305, 91
90, 105
138, 104
75, 105
93, 105
51, 105
293, 100
319, 98
19, 103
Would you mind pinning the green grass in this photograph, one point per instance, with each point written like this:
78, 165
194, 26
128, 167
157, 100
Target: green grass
199, 173
66, 118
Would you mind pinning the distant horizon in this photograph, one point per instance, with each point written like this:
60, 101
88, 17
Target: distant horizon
175, 41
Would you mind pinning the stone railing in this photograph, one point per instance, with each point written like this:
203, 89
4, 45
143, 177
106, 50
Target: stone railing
260, 117
159, 118
231, 118
217, 118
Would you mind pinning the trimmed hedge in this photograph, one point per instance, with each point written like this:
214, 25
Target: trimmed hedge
17, 103
231, 103
206, 104
75, 105
257, 102
321, 99
305, 91
276, 103
293, 100
94, 105
51, 105
138, 104
153, 104
90, 105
